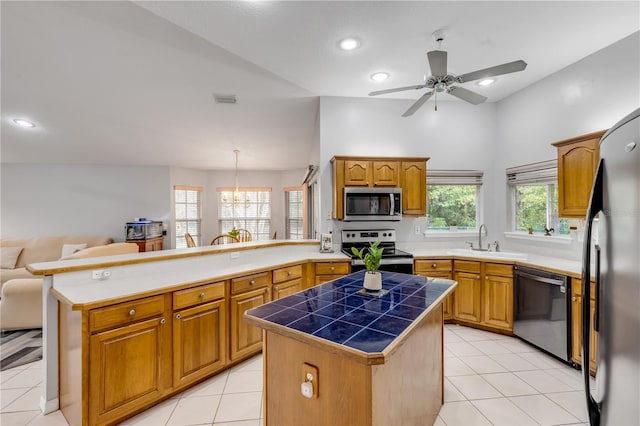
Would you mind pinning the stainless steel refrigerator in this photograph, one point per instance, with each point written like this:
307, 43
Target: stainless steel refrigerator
615, 200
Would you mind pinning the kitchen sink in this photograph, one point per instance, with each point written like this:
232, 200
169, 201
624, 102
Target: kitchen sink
504, 255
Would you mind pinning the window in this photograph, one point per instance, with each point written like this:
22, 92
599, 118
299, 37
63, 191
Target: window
188, 210
534, 194
248, 208
453, 199
294, 213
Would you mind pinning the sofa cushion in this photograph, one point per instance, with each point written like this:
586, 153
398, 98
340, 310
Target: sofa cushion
108, 250
48, 249
10, 274
9, 257
69, 249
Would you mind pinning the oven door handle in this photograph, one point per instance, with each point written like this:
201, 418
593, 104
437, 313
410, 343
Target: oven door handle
541, 279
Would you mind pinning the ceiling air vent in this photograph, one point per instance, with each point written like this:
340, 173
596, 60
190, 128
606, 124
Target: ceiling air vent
225, 99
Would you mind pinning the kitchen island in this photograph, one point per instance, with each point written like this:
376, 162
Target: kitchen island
367, 359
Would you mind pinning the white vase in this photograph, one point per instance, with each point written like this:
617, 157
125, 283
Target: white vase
373, 280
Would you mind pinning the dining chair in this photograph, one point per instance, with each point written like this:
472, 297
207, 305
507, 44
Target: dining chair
189, 238
275, 235
244, 235
224, 239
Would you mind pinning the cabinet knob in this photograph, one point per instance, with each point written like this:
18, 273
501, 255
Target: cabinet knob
288, 272
434, 265
375, 183
178, 316
201, 295
132, 312
478, 276
252, 282
486, 277
573, 299
333, 269
276, 288
163, 321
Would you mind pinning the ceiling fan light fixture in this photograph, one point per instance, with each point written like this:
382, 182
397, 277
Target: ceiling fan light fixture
349, 43
24, 123
379, 76
486, 82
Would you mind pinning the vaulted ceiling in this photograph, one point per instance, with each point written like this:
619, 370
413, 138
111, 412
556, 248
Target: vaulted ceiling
133, 83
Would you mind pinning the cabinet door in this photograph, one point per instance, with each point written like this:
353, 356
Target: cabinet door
246, 339
467, 300
130, 367
287, 288
447, 305
498, 302
385, 173
576, 329
199, 342
577, 164
357, 173
414, 188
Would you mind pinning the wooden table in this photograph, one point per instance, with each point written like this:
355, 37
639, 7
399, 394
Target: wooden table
373, 360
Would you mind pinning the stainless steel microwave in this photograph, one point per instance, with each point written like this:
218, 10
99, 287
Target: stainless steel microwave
365, 204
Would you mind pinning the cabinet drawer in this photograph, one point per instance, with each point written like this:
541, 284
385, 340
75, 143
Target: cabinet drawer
286, 274
498, 269
125, 313
427, 265
331, 268
200, 294
249, 282
467, 265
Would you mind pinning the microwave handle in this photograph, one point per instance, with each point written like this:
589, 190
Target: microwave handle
392, 204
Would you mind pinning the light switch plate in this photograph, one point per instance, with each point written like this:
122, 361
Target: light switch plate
313, 371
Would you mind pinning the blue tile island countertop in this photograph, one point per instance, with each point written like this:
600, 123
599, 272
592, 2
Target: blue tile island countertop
364, 326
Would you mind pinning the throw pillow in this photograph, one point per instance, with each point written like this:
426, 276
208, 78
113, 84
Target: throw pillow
69, 249
10, 256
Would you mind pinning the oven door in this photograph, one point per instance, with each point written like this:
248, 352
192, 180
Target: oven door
403, 265
380, 204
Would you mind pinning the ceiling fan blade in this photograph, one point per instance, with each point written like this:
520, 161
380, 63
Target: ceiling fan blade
493, 71
438, 62
417, 104
466, 95
397, 89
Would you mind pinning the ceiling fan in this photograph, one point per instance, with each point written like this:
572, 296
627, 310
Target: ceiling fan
442, 81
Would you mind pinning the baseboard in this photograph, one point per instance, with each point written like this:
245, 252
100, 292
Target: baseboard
49, 406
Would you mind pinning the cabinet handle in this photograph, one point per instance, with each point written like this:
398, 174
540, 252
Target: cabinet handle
163, 321
252, 282
434, 265
201, 295
178, 316
132, 312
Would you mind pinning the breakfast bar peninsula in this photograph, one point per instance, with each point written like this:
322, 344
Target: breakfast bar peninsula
336, 355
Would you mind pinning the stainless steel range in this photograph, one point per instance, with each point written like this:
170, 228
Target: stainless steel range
393, 260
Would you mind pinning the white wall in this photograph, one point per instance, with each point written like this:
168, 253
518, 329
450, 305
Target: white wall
457, 136
52, 199
592, 94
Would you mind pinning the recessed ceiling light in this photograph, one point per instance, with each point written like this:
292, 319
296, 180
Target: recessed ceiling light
486, 82
379, 76
23, 123
349, 44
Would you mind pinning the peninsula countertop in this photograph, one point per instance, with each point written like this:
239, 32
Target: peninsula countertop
363, 326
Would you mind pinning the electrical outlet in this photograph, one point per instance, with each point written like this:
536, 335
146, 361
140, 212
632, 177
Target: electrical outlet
234, 254
416, 230
309, 387
100, 274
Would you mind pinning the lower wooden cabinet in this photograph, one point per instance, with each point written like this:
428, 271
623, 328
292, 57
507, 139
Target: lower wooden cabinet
327, 271
130, 367
246, 339
497, 310
152, 244
467, 303
199, 342
287, 281
576, 325
437, 268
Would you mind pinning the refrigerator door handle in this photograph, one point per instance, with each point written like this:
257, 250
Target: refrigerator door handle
595, 207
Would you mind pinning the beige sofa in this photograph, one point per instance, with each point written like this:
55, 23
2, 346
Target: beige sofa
21, 292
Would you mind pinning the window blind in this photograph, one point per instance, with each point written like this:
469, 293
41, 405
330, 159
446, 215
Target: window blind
542, 172
454, 177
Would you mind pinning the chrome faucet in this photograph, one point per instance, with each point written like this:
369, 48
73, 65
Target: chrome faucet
479, 248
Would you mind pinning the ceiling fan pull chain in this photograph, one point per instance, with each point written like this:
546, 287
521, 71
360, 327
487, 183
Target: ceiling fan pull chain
436, 101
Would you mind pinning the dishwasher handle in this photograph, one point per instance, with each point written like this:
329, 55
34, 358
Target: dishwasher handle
541, 279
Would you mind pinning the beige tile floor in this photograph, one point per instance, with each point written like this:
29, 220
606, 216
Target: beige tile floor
489, 380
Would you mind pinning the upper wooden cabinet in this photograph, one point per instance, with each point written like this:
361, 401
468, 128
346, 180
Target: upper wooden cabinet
410, 174
577, 164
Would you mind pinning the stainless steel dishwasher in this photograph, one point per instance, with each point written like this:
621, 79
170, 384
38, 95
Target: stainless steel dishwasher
542, 310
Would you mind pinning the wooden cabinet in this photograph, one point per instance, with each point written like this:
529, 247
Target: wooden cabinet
406, 173
577, 164
287, 281
413, 178
131, 362
437, 268
484, 295
327, 271
249, 292
497, 309
576, 325
153, 244
199, 333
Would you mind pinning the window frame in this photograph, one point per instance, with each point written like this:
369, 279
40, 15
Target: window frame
303, 212
197, 237
457, 177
